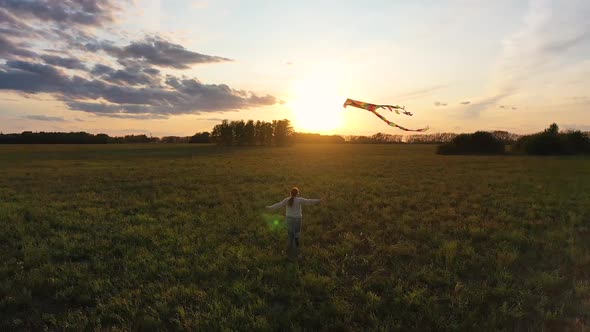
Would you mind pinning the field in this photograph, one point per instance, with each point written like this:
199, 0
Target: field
176, 237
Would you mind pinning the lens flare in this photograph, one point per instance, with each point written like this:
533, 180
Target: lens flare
273, 222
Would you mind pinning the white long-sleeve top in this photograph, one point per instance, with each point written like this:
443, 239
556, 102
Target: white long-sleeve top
294, 210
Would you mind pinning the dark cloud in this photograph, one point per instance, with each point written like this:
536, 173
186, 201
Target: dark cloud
156, 51
177, 96
151, 71
130, 75
9, 49
100, 69
439, 104
465, 102
77, 12
45, 118
133, 116
69, 63
30, 77
126, 85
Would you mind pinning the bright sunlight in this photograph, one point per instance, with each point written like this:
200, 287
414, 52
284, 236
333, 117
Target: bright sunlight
316, 104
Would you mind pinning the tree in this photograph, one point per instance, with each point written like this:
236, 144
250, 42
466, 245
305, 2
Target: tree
267, 131
222, 134
553, 129
506, 137
282, 131
259, 133
239, 132
551, 142
249, 133
203, 137
480, 142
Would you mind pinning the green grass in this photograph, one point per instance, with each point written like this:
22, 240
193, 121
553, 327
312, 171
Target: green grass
140, 237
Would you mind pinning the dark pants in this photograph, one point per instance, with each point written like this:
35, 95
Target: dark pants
294, 231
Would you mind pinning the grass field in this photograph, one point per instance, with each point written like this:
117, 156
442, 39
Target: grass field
139, 237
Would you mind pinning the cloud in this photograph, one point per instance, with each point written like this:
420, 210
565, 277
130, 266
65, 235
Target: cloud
9, 49
132, 75
465, 103
134, 116
87, 12
30, 77
439, 104
421, 92
580, 99
157, 51
176, 96
476, 107
45, 118
70, 63
508, 107
100, 69
552, 34
124, 84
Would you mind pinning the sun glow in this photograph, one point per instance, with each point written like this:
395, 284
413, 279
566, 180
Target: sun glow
317, 104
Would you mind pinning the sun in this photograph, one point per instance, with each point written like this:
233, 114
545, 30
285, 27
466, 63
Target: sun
316, 105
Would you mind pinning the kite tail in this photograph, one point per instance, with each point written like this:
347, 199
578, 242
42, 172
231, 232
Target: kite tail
392, 124
396, 108
373, 109
407, 129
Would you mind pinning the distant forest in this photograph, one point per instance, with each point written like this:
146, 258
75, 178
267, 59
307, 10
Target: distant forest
243, 133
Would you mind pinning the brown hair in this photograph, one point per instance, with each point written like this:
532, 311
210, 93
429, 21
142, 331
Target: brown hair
294, 192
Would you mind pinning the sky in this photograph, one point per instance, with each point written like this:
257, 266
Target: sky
179, 67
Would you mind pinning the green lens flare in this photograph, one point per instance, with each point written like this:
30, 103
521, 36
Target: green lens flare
273, 222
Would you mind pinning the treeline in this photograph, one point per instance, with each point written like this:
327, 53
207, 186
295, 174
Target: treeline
29, 137
548, 142
378, 138
317, 138
250, 133
553, 142
480, 142
441, 138
280, 133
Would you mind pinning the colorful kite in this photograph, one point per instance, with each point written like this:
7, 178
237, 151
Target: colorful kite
373, 109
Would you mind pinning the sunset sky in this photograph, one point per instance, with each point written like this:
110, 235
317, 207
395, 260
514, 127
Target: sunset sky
179, 67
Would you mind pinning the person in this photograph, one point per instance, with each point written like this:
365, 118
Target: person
293, 217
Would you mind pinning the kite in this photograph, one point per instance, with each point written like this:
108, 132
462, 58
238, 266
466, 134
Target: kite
373, 109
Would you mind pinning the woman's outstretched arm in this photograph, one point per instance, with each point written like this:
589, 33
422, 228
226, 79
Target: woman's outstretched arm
277, 205
310, 201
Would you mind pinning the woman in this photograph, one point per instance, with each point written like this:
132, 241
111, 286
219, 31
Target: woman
293, 213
